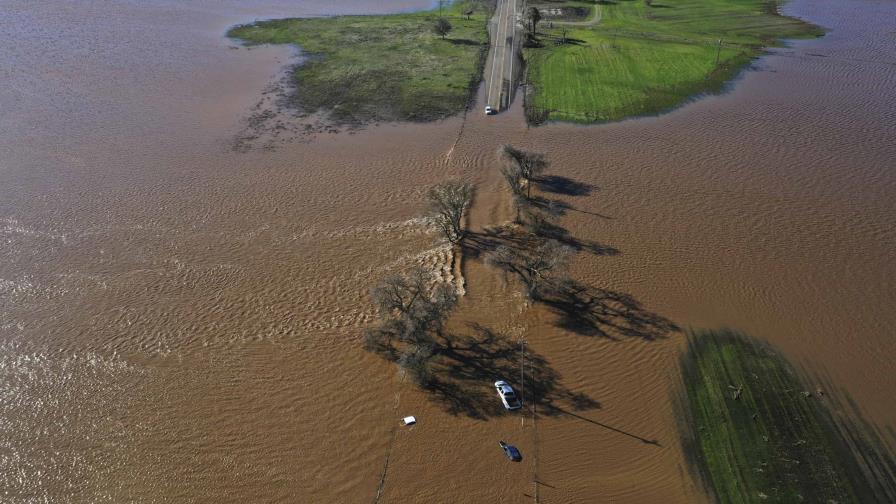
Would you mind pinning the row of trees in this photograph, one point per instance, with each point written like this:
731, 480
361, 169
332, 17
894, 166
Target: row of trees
442, 27
413, 306
521, 172
540, 260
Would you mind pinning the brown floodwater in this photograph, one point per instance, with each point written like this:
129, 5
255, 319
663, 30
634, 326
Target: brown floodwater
180, 320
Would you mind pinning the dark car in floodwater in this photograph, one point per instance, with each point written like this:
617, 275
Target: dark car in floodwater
511, 451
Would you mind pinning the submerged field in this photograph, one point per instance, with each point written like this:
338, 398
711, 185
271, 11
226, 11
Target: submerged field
760, 435
634, 58
385, 67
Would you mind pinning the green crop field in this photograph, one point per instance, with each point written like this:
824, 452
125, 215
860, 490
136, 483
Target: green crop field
759, 434
641, 59
382, 68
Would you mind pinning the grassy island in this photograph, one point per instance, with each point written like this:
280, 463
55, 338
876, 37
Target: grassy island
636, 57
384, 67
760, 435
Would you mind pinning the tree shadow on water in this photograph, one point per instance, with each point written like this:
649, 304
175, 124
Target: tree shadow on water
478, 244
564, 185
605, 313
467, 366
551, 230
488, 240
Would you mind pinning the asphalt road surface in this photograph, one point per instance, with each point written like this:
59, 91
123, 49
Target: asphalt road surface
501, 66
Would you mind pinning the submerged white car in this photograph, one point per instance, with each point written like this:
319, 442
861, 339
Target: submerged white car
489, 110
508, 397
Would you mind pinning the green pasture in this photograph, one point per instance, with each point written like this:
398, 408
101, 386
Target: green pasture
382, 68
758, 433
643, 59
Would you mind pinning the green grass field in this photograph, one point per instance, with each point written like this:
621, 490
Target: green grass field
642, 59
382, 68
775, 442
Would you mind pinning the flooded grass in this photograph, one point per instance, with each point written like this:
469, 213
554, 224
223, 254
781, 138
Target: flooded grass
384, 67
642, 59
758, 433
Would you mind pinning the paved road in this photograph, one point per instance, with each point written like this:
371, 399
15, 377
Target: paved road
500, 67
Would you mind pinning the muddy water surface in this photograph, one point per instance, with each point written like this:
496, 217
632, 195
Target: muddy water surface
179, 320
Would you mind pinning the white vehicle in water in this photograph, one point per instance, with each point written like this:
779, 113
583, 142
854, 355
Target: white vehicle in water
508, 397
489, 110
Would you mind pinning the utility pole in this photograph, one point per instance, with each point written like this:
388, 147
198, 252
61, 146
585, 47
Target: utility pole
718, 52
522, 376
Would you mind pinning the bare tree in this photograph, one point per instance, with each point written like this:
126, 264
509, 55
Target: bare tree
529, 164
533, 15
514, 180
397, 294
535, 265
446, 204
442, 27
427, 317
412, 308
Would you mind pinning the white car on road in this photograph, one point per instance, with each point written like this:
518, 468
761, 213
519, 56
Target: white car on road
508, 397
489, 110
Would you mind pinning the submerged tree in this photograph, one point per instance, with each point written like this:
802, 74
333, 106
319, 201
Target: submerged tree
442, 27
397, 295
412, 300
528, 164
514, 180
413, 308
446, 204
536, 266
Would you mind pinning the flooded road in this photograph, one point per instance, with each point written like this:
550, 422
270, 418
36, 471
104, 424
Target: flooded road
180, 321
